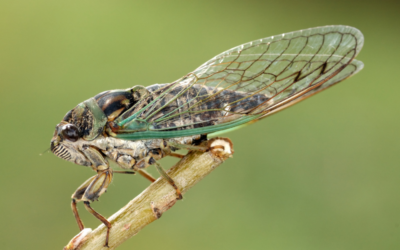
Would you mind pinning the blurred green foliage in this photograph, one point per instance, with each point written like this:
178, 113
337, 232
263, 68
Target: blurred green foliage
322, 175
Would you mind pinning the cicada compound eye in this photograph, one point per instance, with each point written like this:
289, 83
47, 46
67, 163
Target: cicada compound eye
70, 132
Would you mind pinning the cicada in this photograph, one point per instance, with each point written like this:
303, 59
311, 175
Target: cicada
136, 127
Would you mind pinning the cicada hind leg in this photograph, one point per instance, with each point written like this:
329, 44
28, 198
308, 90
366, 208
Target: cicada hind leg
166, 149
151, 159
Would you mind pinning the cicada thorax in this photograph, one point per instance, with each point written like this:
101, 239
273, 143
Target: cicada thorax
92, 115
114, 102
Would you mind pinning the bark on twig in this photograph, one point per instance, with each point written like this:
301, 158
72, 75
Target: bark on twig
156, 199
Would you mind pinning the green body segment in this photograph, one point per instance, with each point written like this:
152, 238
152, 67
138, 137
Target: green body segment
100, 118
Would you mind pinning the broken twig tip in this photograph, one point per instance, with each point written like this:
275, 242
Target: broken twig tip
79, 238
221, 147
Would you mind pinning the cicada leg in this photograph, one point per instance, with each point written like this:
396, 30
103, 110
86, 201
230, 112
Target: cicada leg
146, 175
76, 214
77, 196
145, 163
123, 172
93, 188
101, 218
169, 179
151, 159
176, 155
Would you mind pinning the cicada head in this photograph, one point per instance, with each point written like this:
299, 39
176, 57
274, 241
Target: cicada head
82, 124
64, 143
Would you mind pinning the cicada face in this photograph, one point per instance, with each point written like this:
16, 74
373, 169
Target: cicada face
65, 144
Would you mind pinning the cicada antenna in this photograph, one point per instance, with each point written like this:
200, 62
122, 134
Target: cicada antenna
47, 150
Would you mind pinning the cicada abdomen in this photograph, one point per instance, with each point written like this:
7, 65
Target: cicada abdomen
174, 107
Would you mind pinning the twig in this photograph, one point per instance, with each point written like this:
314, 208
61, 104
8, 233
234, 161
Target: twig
156, 199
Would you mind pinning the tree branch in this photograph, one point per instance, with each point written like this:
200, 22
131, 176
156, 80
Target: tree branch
156, 199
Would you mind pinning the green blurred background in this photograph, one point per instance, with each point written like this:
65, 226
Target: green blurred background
321, 175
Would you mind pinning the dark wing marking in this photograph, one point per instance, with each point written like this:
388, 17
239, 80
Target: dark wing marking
353, 68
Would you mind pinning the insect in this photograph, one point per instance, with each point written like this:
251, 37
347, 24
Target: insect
135, 127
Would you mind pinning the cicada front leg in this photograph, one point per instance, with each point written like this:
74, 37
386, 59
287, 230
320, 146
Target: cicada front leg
89, 191
93, 188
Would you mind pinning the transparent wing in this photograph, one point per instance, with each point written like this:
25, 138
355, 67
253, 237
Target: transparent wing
253, 80
285, 65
